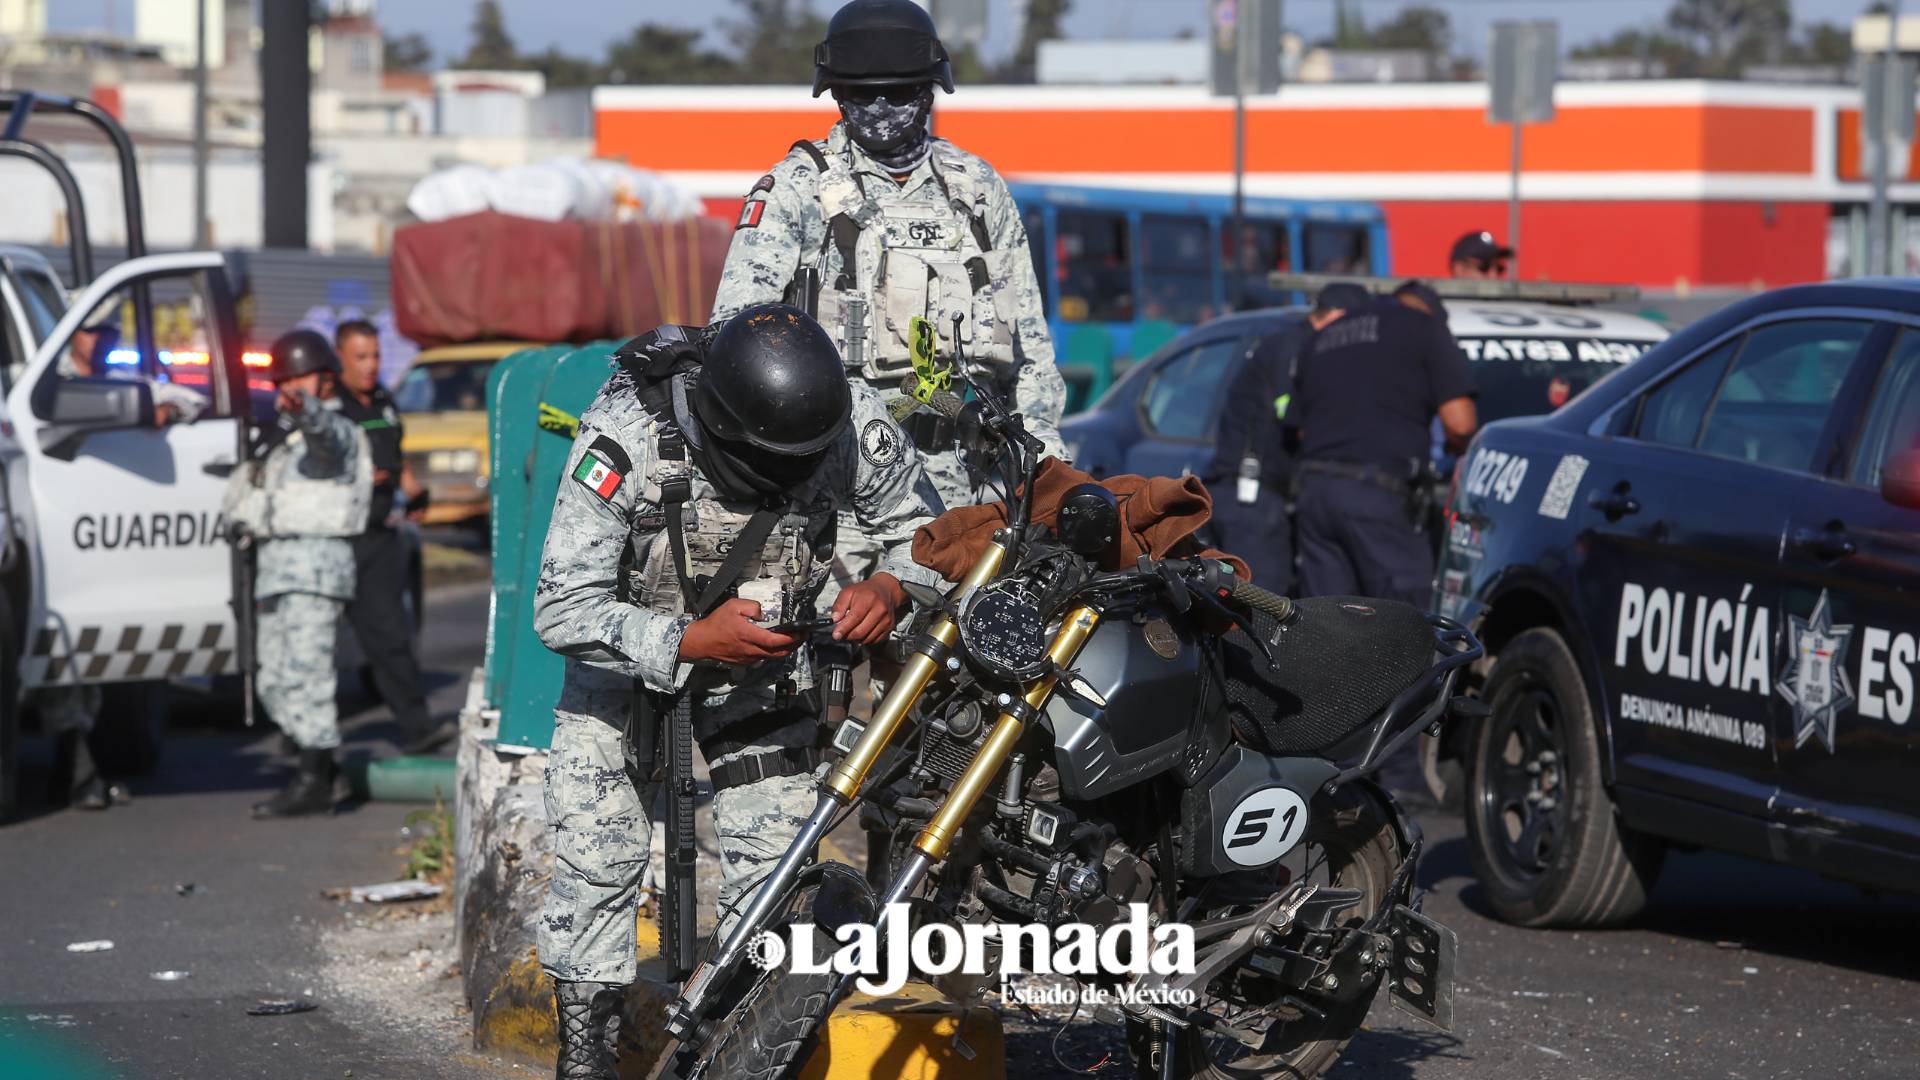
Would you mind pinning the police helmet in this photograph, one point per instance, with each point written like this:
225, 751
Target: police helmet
299, 352
772, 380
876, 42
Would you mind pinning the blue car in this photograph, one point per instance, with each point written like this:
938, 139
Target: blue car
1699, 588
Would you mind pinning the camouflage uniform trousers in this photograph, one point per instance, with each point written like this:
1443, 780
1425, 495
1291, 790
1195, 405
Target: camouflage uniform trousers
295, 638
67, 708
601, 837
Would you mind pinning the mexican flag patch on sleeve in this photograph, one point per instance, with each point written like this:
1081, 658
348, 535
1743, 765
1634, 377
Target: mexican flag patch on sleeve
597, 476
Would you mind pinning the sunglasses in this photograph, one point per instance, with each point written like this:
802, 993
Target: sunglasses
898, 93
1492, 266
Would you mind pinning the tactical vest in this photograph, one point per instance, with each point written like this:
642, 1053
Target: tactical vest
274, 498
902, 257
701, 551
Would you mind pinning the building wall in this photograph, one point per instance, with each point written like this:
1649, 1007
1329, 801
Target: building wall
1658, 183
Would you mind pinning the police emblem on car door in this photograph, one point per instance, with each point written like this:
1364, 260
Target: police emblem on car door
1815, 683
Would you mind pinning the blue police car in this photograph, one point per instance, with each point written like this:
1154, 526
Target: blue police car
1701, 590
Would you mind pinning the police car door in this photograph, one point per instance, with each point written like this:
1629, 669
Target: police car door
1686, 514
1181, 405
132, 563
1849, 668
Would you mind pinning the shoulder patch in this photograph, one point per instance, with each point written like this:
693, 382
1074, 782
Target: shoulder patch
750, 214
602, 467
765, 183
880, 442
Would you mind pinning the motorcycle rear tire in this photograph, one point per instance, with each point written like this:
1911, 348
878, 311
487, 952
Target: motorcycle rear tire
1363, 851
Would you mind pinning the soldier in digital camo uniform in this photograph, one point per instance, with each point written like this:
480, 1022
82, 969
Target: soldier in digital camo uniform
892, 223
747, 443
304, 489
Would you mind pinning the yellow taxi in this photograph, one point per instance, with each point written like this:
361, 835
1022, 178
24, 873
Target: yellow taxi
444, 403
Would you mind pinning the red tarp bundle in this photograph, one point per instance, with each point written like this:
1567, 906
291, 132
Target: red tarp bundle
494, 276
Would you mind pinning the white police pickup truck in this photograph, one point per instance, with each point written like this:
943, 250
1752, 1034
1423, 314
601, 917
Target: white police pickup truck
114, 563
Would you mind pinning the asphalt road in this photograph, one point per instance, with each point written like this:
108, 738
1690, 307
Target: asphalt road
248, 930
1737, 970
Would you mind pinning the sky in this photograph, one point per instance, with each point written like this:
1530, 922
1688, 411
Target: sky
584, 26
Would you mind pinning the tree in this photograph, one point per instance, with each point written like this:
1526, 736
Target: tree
1674, 56
666, 55
562, 69
1044, 19
492, 47
407, 52
1727, 35
774, 40
1826, 43
1419, 27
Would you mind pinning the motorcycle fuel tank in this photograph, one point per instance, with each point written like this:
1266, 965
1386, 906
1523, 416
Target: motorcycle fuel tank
1149, 672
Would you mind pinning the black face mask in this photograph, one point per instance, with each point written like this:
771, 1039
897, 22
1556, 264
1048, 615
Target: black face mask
738, 471
889, 122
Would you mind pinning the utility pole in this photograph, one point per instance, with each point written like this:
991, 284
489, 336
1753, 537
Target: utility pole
285, 84
201, 237
1879, 238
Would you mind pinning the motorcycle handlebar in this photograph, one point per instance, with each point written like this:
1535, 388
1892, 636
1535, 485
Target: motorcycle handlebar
1259, 599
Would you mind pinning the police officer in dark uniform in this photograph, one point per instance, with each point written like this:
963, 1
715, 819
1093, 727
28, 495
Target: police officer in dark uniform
1252, 469
378, 611
1368, 387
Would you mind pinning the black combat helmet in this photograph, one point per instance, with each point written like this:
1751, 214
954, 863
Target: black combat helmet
877, 42
772, 380
299, 352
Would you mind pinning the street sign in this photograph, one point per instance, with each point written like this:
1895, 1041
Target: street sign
1256, 68
1523, 61
960, 22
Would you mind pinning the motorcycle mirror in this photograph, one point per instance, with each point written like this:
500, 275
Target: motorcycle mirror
925, 596
1088, 522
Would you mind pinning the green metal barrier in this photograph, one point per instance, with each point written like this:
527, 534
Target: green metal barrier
523, 675
517, 379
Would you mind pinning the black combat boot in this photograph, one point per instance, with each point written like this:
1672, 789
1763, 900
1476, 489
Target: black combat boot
311, 791
76, 779
589, 1029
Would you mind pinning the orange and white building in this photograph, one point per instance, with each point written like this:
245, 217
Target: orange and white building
1666, 184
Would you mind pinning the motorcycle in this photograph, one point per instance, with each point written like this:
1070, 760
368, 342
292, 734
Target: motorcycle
1071, 740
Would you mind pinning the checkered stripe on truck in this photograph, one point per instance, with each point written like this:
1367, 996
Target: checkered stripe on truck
87, 654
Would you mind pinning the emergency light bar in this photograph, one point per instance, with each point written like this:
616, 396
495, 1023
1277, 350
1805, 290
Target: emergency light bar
128, 357
1546, 292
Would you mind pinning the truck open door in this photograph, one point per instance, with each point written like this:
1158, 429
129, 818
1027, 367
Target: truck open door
124, 486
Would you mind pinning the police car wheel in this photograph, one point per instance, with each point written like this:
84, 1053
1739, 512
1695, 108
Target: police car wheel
1541, 829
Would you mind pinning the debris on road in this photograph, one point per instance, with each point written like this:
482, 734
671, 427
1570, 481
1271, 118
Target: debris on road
281, 1008
170, 976
386, 892
188, 888
90, 946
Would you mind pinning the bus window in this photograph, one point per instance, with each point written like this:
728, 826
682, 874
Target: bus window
1265, 250
1095, 254
1035, 221
1177, 265
1336, 249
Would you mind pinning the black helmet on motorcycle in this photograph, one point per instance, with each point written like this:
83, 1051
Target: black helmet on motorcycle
300, 352
877, 42
772, 380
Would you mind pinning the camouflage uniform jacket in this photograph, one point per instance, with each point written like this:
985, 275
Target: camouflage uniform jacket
873, 471
783, 226
324, 459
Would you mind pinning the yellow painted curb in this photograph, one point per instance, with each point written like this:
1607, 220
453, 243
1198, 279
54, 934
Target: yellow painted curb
909, 1036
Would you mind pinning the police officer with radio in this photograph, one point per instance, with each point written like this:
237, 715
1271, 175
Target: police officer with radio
691, 536
1369, 384
300, 495
1251, 472
882, 224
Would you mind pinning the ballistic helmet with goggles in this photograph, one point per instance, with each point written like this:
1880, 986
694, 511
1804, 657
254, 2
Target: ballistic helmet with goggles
301, 352
880, 42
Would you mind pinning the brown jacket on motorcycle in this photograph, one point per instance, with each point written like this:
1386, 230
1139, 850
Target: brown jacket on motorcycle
1159, 516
